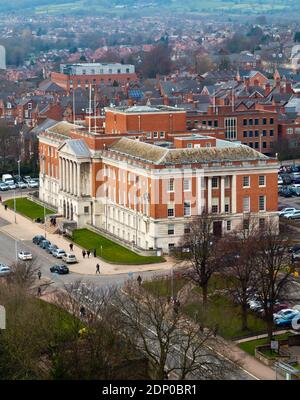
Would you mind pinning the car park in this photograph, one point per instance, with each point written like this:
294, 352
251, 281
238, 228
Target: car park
294, 215
286, 192
24, 255
4, 270
69, 258
37, 239
58, 253
60, 269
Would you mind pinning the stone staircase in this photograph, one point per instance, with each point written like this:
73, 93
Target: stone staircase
53, 229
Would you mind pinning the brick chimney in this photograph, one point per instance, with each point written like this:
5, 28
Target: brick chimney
267, 89
288, 87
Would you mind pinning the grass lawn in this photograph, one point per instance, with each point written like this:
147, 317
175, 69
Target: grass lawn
28, 208
111, 252
249, 347
222, 312
163, 287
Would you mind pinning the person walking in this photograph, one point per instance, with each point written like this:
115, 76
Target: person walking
0, 199
83, 253
82, 311
39, 275
39, 291
71, 246
98, 269
139, 280
88, 253
95, 253
5, 207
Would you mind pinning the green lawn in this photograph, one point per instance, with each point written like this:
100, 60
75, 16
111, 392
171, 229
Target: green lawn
111, 252
249, 347
223, 313
28, 208
164, 287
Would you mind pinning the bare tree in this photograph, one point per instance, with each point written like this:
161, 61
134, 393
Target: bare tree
201, 255
24, 274
271, 269
239, 250
171, 342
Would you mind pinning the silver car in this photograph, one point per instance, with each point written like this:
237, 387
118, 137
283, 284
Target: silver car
4, 270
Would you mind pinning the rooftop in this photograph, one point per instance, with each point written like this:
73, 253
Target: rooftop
224, 151
145, 109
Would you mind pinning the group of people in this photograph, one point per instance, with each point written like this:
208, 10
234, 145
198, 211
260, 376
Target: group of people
88, 253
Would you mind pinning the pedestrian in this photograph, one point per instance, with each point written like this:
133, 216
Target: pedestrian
88, 253
5, 207
97, 269
166, 376
95, 253
39, 275
0, 199
139, 280
39, 291
216, 330
83, 253
82, 311
71, 246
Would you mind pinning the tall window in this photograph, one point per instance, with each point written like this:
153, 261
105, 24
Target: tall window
171, 229
171, 211
214, 182
215, 205
246, 204
186, 184
187, 208
246, 181
230, 128
262, 180
262, 203
171, 185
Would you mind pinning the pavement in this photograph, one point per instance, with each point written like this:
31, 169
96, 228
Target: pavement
24, 230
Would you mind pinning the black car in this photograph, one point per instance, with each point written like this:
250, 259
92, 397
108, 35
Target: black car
44, 244
294, 248
59, 269
286, 193
37, 239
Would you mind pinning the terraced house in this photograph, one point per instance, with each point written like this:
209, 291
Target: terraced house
146, 194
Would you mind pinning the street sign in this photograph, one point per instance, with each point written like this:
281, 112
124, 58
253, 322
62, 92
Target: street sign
274, 345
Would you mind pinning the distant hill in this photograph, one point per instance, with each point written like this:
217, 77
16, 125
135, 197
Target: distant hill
143, 6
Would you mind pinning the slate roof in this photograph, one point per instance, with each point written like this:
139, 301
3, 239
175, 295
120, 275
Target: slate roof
161, 156
78, 147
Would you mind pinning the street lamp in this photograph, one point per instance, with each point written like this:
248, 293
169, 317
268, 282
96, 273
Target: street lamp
19, 169
15, 207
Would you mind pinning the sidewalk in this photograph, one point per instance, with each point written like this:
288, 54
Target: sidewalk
24, 230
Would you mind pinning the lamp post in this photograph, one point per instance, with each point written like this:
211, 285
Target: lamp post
15, 206
19, 169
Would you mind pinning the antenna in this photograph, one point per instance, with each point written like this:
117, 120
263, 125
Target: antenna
74, 117
90, 108
214, 101
95, 110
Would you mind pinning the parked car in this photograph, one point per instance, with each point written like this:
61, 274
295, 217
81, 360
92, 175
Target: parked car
60, 269
44, 244
32, 184
287, 210
51, 248
284, 313
24, 255
286, 320
296, 256
27, 178
295, 189
280, 180
3, 186
294, 215
286, 193
37, 239
69, 258
58, 253
294, 248
11, 185
21, 185
4, 270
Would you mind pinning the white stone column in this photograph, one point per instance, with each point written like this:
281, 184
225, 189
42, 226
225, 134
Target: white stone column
233, 194
72, 177
78, 180
64, 174
209, 194
222, 194
60, 172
